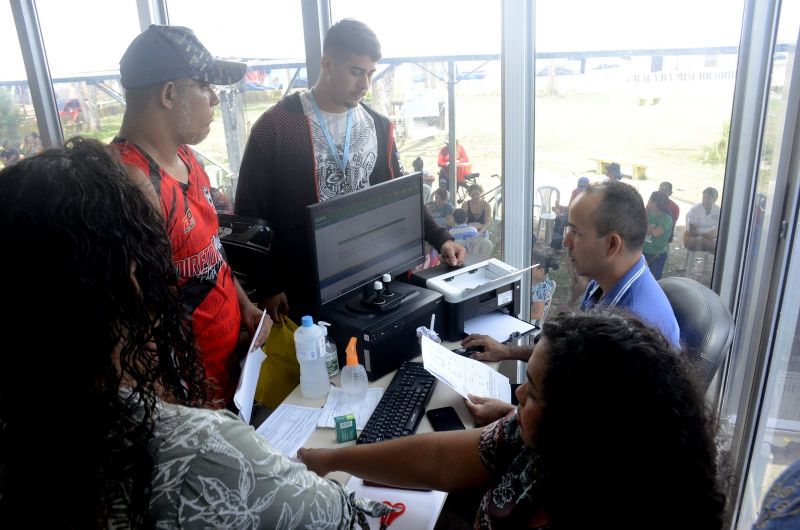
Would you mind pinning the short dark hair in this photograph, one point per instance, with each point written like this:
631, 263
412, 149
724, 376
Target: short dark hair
620, 210
546, 259
475, 186
417, 164
351, 37
649, 439
660, 199
441, 193
460, 216
666, 187
711, 191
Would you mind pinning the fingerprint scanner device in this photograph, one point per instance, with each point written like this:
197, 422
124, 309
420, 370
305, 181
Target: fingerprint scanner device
359, 241
473, 290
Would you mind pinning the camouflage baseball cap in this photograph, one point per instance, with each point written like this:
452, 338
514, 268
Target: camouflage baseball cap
164, 53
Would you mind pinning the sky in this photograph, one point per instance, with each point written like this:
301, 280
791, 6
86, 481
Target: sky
91, 35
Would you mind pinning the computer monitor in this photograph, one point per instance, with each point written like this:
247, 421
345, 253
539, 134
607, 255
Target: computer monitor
358, 237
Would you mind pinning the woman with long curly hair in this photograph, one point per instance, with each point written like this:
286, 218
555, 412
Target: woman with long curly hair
104, 373
610, 433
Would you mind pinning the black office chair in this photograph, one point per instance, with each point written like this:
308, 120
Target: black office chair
246, 241
706, 324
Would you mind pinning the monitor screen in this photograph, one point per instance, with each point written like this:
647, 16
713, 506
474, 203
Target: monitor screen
358, 237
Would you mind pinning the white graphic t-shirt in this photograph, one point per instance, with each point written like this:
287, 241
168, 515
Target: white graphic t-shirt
363, 150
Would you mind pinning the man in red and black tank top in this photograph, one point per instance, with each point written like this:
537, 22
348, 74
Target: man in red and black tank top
167, 76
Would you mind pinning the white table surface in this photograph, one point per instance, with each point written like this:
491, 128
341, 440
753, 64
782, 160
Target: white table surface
443, 396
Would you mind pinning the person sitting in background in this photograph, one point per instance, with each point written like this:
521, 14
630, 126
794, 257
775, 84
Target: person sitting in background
643, 456
659, 227
32, 145
440, 209
702, 222
543, 286
118, 377
674, 209
10, 156
462, 230
607, 227
613, 172
583, 183
479, 211
427, 176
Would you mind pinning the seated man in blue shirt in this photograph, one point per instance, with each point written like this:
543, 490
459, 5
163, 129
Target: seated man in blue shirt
607, 226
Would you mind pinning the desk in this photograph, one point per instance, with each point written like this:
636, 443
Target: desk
443, 396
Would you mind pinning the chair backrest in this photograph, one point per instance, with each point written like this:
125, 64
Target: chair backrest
705, 322
246, 241
478, 246
546, 194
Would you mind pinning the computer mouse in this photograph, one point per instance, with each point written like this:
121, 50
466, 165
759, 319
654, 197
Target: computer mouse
466, 352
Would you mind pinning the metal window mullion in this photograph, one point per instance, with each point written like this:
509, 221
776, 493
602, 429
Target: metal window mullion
40, 83
152, 12
517, 66
316, 21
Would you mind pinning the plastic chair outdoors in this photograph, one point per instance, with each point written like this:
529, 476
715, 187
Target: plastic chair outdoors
478, 246
706, 324
693, 257
546, 213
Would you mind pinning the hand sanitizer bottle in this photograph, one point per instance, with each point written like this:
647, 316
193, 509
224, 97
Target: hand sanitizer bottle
354, 376
331, 354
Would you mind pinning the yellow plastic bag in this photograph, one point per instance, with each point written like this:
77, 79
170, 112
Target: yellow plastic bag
280, 371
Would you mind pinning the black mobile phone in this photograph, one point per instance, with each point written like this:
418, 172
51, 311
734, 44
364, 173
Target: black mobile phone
445, 419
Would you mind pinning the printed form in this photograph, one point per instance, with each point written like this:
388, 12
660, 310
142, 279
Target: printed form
289, 426
338, 404
462, 374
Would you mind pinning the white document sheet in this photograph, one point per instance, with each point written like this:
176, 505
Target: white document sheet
497, 325
251, 369
422, 507
338, 404
289, 426
462, 374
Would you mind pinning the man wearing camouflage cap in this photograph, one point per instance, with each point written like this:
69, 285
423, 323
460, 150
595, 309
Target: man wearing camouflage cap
168, 75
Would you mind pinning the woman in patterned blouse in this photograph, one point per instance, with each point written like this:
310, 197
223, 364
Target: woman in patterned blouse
115, 386
610, 432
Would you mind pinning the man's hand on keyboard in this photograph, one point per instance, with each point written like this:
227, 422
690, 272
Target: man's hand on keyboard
486, 410
492, 350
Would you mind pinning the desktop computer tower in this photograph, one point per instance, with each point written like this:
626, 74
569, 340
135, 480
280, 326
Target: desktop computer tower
386, 338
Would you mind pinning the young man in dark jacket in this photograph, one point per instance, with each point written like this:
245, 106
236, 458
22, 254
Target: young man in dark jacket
314, 146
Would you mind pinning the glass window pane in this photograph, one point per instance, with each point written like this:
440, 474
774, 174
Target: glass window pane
605, 94
19, 133
274, 51
84, 41
777, 441
411, 87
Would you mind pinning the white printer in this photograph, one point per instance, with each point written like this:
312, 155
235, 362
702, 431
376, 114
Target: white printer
472, 290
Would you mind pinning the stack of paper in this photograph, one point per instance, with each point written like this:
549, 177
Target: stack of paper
338, 404
462, 374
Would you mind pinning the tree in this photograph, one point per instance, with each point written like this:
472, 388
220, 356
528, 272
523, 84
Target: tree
11, 117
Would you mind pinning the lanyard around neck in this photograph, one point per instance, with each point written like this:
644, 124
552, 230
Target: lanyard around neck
342, 163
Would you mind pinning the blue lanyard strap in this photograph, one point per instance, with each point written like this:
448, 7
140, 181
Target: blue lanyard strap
342, 163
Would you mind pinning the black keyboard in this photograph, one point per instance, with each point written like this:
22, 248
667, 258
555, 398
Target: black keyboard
402, 405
